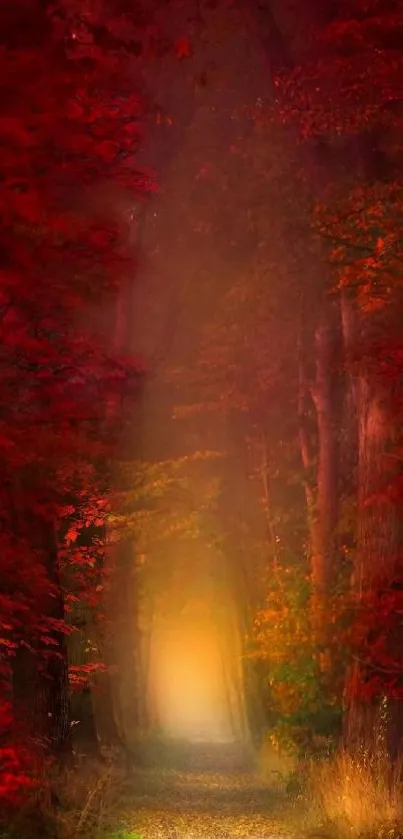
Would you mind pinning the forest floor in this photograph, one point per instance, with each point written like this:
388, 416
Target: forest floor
180, 805
199, 801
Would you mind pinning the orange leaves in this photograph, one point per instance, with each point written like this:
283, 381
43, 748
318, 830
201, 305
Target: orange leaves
364, 243
284, 639
71, 534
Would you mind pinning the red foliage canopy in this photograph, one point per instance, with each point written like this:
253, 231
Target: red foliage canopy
70, 122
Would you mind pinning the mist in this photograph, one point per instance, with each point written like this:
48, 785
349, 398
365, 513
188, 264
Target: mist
202, 420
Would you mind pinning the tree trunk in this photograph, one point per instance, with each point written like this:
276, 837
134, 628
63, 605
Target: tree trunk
92, 708
53, 692
321, 472
377, 524
326, 479
41, 689
122, 610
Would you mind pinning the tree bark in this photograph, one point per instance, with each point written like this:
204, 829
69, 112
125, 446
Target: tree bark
377, 524
122, 612
53, 708
326, 499
320, 481
40, 678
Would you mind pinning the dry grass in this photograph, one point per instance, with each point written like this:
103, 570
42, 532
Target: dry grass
89, 797
357, 794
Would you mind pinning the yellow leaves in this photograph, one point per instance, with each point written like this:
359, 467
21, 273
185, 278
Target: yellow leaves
164, 501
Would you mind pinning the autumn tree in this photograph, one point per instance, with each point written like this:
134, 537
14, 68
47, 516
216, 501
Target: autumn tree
359, 121
70, 122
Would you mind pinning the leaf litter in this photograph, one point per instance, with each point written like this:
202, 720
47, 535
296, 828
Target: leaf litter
171, 804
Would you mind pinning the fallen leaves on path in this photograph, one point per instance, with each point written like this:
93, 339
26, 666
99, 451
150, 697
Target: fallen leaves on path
177, 805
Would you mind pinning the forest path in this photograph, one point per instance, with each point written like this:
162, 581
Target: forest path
201, 803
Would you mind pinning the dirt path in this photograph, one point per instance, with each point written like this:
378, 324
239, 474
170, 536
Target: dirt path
161, 804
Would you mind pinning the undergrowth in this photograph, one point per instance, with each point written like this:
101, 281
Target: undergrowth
89, 801
354, 795
79, 802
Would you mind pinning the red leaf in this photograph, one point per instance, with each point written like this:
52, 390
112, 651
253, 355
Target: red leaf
183, 48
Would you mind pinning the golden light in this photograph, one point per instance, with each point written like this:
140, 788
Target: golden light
188, 678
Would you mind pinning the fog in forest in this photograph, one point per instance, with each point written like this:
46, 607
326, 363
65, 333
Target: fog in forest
196, 679
203, 448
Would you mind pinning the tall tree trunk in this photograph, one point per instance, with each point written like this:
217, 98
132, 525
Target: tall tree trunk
40, 677
326, 476
53, 708
321, 472
122, 612
377, 524
267, 505
93, 707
